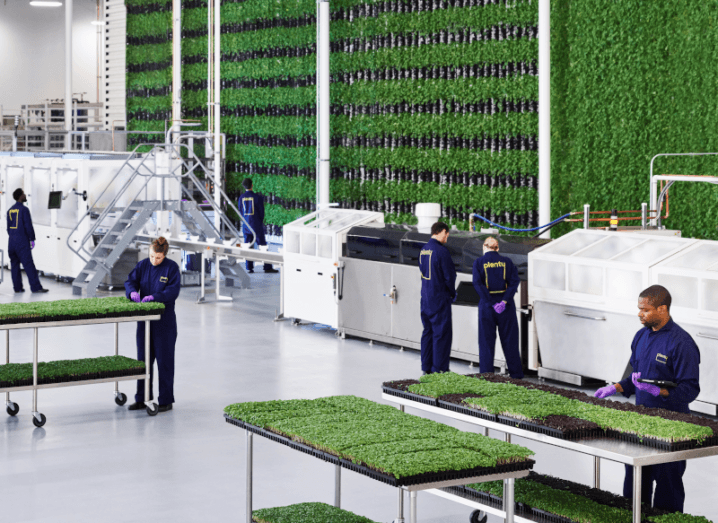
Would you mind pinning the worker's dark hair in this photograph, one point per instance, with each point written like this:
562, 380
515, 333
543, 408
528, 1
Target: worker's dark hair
657, 295
17, 193
160, 245
438, 228
247, 184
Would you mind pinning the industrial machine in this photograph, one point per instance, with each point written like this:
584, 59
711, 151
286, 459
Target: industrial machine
381, 286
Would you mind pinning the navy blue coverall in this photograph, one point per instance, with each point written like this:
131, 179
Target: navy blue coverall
21, 233
496, 279
162, 283
669, 355
251, 205
438, 291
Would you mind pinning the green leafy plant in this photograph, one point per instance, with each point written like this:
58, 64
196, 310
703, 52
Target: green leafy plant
87, 308
307, 513
13, 374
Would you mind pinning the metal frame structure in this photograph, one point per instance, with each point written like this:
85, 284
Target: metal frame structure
637, 456
39, 419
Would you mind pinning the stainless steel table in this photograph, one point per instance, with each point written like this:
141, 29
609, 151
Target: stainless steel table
637, 456
40, 419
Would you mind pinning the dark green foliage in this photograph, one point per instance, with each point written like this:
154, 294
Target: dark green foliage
307, 513
631, 79
379, 436
14, 373
88, 307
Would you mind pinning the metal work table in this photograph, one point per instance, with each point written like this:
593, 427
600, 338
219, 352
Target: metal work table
433, 488
120, 398
632, 454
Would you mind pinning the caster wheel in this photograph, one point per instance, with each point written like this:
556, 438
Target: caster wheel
153, 410
121, 399
39, 423
478, 517
13, 409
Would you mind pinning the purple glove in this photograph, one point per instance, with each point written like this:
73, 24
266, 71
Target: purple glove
32, 245
148, 298
135, 296
605, 392
653, 390
500, 307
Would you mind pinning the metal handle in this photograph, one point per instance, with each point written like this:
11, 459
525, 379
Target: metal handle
392, 294
569, 313
708, 336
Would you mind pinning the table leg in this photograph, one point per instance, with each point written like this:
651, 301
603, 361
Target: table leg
400, 511
596, 472
249, 477
637, 471
148, 363
412, 506
34, 371
117, 352
509, 499
507, 437
7, 360
338, 486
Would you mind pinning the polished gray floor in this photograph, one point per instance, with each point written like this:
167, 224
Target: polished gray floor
94, 461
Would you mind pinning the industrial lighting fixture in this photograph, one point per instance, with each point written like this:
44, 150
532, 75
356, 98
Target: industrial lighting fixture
38, 3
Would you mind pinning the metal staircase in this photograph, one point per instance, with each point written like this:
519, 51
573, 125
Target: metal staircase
133, 218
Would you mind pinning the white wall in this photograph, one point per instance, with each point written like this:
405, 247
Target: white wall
32, 52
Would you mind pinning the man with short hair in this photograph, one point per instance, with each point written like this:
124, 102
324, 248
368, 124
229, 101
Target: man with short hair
496, 280
438, 291
21, 241
251, 206
660, 351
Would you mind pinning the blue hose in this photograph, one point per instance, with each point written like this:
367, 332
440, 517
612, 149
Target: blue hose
524, 230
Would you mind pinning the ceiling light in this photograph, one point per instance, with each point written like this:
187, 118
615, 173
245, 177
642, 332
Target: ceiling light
38, 3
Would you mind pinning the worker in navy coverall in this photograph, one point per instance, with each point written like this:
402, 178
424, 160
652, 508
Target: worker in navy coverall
438, 291
157, 279
251, 206
660, 351
496, 280
21, 241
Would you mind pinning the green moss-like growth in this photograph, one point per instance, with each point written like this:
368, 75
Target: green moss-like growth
307, 513
17, 374
70, 309
378, 436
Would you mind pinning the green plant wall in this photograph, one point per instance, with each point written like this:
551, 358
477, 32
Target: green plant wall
631, 79
432, 101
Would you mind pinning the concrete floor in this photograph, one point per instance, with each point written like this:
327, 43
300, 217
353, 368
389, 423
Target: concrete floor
94, 461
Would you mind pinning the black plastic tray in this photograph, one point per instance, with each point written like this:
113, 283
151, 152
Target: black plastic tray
554, 433
381, 476
654, 443
520, 509
410, 396
75, 377
69, 317
468, 411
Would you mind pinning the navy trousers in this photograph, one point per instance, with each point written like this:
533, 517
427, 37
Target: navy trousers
508, 326
436, 339
669, 495
249, 238
163, 336
21, 254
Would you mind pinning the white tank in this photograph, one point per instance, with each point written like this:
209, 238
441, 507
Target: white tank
428, 214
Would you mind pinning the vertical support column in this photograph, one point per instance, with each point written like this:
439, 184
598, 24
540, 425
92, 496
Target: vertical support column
323, 104
544, 179
68, 74
217, 120
644, 216
34, 370
249, 477
509, 499
400, 508
596, 472
148, 363
117, 352
338, 486
586, 216
176, 66
201, 277
637, 472
412, 506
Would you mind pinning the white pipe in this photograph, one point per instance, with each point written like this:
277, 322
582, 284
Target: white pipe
323, 104
544, 181
68, 72
176, 64
217, 117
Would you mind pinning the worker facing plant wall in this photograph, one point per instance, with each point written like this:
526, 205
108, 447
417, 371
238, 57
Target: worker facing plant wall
631, 79
432, 101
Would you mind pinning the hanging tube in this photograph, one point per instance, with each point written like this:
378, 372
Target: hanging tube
323, 104
544, 179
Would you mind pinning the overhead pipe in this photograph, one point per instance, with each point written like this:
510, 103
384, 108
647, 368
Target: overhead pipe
68, 73
323, 104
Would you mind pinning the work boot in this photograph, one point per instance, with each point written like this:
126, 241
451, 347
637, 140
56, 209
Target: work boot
41, 290
137, 405
165, 408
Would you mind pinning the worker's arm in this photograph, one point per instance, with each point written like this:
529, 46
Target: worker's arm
480, 283
685, 358
449, 273
626, 386
27, 224
133, 281
513, 281
172, 289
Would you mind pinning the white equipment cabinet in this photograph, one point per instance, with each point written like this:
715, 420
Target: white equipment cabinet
312, 247
584, 290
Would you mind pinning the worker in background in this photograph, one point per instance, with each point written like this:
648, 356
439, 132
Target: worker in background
21, 242
157, 278
660, 351
496, 280
251, 205
438, 291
